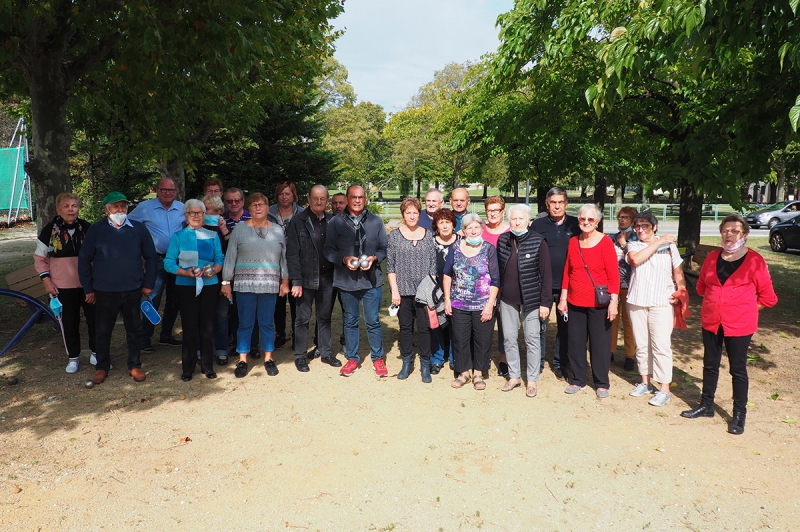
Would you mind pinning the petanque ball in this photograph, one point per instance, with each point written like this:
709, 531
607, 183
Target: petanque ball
12, 381
89, 384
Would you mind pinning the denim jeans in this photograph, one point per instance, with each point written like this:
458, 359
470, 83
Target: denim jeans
560, 358
322, 299
441, 345
252, 306
165, 282
108, 306
371, 300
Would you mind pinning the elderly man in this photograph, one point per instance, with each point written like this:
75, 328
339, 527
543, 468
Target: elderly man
353, 234
163, 216
557, 228
338, 203
434, 199
311, 276
459, 201
110, 270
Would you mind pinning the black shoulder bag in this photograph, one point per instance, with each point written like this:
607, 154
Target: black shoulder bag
601, 295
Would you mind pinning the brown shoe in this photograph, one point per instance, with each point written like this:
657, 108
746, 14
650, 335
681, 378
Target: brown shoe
99, 376
137, 374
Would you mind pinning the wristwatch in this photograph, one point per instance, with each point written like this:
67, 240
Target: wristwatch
615, 299
225, 283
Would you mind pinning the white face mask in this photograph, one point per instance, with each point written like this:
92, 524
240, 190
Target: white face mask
118, 218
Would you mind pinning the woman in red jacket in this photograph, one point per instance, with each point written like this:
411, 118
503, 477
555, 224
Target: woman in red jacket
591, 261
735, 285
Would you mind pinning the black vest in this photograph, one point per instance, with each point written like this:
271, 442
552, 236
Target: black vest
530, 282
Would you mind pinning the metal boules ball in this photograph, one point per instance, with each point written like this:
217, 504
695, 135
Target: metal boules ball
89, 384
362, 258
12, 381
354, 263
364, 264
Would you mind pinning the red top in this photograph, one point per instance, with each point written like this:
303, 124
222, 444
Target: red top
734, 305
602, 262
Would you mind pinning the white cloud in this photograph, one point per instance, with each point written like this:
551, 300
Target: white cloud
392, 48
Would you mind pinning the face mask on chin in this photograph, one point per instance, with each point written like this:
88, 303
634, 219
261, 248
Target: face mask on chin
474, 241
118, 218
736, 246
520, 233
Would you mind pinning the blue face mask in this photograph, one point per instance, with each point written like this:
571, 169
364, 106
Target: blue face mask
628, 230
474, 241
211, 219
520, 233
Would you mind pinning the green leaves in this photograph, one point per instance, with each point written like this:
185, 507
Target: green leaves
794, 114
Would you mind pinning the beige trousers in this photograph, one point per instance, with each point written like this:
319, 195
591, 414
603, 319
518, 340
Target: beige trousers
630, 344
652, 330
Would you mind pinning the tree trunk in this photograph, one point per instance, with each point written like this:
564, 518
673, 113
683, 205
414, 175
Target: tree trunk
690, 217
781, 185
619, 194
516, 191
600, 183
541, 196
174, 169
485, 191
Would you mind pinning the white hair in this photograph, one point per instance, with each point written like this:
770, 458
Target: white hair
193, 203
596, 212
471, 218
439, 192
523, 209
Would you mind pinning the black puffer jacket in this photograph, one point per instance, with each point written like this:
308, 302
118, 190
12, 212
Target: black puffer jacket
528, 254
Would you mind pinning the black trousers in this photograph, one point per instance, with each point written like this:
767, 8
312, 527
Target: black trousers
322, 299
736, 347
72, 300
280, 315
108, 306
560, 357
405, 317
592, 324
197, 318
472, 341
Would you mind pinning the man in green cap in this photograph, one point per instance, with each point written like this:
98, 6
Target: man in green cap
110, 270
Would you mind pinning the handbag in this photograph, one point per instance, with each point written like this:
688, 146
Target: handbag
433, 318
601, 296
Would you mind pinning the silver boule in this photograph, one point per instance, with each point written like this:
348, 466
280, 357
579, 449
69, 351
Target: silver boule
365, 264
362, 258
354, 263
89, 384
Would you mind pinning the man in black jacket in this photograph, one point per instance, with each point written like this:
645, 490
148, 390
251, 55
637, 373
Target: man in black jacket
311, 275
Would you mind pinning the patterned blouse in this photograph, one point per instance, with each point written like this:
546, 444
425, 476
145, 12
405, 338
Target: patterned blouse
410, 260
256, 259
473, 277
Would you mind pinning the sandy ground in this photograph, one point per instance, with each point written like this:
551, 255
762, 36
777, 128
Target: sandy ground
316, 451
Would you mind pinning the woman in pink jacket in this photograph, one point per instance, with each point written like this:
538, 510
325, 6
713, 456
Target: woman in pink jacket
735, 285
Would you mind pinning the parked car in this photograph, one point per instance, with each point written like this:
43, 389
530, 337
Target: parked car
785, 235
773, 214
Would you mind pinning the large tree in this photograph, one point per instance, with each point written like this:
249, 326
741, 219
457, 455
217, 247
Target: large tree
167, 71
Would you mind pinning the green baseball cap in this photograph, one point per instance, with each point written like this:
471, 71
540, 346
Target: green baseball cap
114, 197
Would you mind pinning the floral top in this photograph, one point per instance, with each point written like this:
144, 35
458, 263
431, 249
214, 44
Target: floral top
473, 277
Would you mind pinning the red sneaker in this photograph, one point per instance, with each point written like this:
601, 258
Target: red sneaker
349, 368
380, 368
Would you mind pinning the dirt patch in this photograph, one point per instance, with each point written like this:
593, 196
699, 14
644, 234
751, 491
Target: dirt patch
316, 451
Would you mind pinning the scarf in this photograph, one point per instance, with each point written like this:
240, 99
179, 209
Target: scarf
358, 225
62, 243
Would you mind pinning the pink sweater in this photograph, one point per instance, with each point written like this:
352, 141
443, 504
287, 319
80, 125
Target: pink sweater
734, 305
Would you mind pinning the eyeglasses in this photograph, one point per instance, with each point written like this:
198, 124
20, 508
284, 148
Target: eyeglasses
234, 200
494, 211
258, 205
643, 227
585, 220
168, 190
195, 213
731, 232
623, 217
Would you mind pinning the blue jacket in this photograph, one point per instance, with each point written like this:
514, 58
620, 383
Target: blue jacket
193, 247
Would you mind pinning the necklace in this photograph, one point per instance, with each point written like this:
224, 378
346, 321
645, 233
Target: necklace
261, 231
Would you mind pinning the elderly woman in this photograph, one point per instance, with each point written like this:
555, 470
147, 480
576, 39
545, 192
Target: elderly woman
591, 263
256, 262
495, 226
56, 262
444, 224
471, 285
410, 257
527, 292
195, 257
735, 285
657, 274
621, 239
281, 213
214, 221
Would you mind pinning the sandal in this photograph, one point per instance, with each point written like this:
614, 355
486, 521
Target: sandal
460, 381
478, 383
511, 384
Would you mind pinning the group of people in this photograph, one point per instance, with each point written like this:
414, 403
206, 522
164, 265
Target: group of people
228, 263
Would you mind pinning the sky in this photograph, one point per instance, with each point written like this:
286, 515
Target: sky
391, 48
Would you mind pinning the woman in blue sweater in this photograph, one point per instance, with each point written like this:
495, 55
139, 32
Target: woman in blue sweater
195, 257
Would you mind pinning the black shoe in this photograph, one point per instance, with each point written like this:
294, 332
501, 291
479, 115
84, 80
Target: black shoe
186, 377
169, 340
700, 411
436, 368
425, 370
300, 363
559, 373
280, 341
736, 426
332, 361
612, 358
147, 350
241, 370
255, 353
211, 375
271, 368
502, 369
408, 367
630, 364
313, 354
222, 361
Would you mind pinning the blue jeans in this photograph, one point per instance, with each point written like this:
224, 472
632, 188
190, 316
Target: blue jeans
371, 299
250, 306
441, 345
165, 282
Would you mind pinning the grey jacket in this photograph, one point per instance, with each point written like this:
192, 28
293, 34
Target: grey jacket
430, 293
340, 242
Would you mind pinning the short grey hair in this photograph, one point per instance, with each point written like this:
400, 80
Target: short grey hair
586, 207
471, 218
193, 203
214, 201
439, 192
523, 209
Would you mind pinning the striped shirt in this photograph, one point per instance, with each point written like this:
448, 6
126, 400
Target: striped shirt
651, 283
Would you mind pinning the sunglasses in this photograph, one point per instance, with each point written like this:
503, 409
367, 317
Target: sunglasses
584, 220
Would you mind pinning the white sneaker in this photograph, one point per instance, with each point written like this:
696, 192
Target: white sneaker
641, 389
93, 359
660, 399
72, 367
